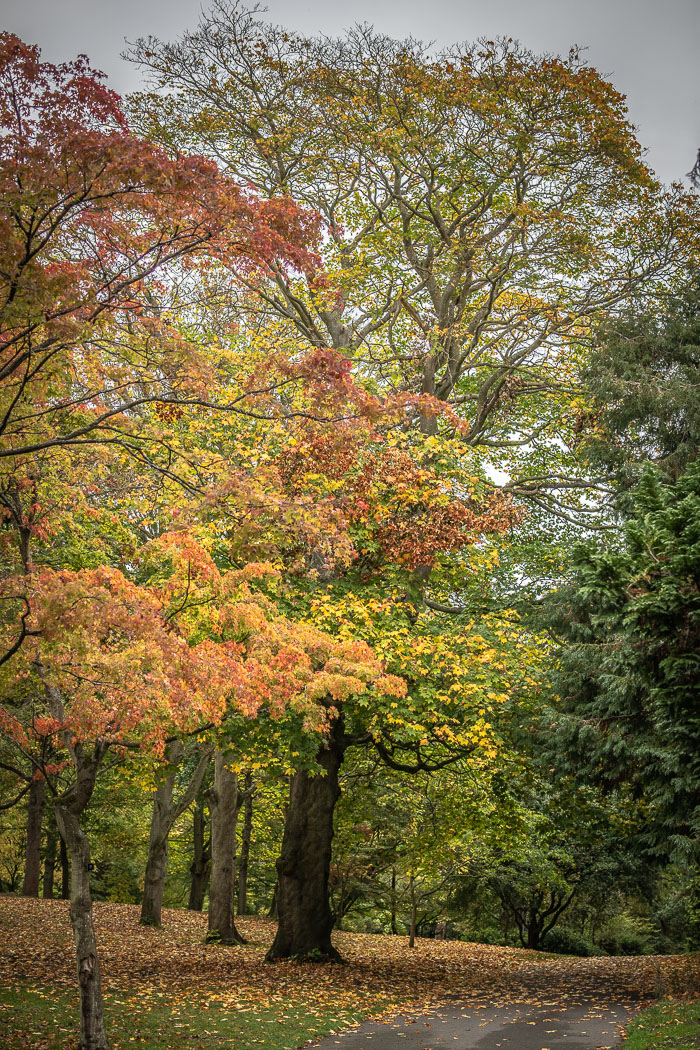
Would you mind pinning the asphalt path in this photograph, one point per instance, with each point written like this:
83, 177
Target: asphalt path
555, 1025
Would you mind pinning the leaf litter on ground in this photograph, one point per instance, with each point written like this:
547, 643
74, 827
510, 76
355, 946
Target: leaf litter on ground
172, 968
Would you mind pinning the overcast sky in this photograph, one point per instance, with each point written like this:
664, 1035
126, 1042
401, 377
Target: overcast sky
650, 49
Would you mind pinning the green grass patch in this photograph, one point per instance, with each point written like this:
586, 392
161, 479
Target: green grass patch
672, 1024
35, 1018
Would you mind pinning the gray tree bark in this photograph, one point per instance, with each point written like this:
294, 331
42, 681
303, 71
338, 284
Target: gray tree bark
165, 812
32, 853
224, 803
199, 868
245, 844
305, 917
92, 1030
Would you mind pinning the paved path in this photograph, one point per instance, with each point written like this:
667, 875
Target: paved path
573, 1025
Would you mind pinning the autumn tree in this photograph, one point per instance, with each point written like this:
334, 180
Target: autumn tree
96, 226
482, 205
96, 684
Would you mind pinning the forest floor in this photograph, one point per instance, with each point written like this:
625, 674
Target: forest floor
168, 990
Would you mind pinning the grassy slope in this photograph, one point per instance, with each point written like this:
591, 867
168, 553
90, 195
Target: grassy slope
167, 990
672, 1024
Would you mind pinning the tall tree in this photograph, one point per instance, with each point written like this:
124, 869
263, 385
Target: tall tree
481, 204
628, 671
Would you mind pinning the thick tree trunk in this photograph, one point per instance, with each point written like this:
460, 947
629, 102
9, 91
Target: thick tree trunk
245, 844
65, 869
534, 932
165, 813
50, 858
32, 855
92, 1031
199, 868
305, 918
223, 806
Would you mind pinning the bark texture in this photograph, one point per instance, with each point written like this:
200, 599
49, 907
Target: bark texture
245, 844
68, 809
224, 803
157, 862
166, 810
199, 868
305, 918
50, 858
414, 913
32, 855
92, 1031
65, 869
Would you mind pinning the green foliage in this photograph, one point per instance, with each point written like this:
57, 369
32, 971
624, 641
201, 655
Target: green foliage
563, 941
644, 383
627, 674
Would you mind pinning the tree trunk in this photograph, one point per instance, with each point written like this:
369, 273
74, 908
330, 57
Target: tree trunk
65, 869
224, 804
157, 862
393, 901
305, 918
50, 858
92, 1031
272, 913
165, 813
32, 861
414, 912
534, 932
199, 868
245, 844
505, 923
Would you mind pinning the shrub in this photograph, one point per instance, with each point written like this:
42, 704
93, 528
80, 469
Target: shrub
567, 942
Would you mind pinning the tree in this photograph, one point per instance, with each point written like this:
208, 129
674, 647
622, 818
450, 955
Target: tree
627, 673
108, 674
642, 382
224, 804
97, 225
166, 810
482, 205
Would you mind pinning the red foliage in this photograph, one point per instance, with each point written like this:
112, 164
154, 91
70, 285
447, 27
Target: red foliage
92, 220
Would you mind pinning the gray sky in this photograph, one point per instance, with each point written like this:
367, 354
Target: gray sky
650, 49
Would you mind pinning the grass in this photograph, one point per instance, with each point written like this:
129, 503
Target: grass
672, 1024
39, 1018
167, 989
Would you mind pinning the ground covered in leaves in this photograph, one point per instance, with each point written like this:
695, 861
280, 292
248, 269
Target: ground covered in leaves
166, 989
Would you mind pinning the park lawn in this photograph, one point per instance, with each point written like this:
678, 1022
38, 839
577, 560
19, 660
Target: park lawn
672, 1024
35, 1018
166, 989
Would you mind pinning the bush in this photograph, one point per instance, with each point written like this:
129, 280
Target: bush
625, 935
567, 942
